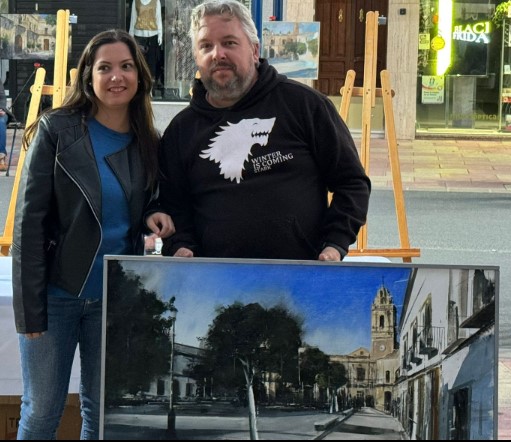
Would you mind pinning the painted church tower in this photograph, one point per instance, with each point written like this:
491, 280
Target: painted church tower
383, 324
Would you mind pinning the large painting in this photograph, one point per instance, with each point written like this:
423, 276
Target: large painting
292, 48
263, 349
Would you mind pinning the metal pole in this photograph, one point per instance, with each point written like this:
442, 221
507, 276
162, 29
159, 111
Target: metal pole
257, 15
171, 417
299, 374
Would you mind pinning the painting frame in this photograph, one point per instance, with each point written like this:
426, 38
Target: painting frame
419, 341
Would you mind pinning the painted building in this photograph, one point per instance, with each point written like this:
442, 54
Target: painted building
372, 374
446, 384
439, 378
184, 387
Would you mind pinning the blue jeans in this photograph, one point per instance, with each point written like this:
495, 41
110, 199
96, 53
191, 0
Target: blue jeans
46, 364
3, 134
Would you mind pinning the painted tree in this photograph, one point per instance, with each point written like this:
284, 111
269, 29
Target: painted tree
257, 340
313, 46
138, 345
331, 380
312, 362
317, 369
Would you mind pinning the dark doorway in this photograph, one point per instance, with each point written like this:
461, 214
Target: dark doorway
342, 41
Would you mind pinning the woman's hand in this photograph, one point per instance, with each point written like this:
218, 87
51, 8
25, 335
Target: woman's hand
33, 335
161, 224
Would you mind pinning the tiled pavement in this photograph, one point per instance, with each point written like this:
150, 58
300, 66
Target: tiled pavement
456, 165
452, 165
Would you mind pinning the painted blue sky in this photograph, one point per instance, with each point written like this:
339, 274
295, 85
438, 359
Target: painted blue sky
333, 299
285, 27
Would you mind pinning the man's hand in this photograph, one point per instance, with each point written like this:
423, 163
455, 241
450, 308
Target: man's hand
161, 224
183, 252
329, 254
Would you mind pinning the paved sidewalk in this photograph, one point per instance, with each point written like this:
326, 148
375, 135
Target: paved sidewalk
444, 164
425, 164
432, 164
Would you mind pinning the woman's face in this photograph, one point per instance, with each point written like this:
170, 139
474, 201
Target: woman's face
114, 77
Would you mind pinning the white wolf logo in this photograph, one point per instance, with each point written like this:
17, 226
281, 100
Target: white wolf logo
231, 148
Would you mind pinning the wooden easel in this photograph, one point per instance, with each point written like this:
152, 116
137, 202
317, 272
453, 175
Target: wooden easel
38, 89
369, 92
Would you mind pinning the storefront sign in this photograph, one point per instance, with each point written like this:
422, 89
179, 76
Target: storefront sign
433, 89
475, 33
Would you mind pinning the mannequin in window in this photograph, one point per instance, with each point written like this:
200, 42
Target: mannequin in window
146, 27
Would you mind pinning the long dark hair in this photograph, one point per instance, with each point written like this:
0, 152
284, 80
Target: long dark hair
80, 97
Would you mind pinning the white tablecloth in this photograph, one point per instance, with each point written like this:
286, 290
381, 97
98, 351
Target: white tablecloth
10, 372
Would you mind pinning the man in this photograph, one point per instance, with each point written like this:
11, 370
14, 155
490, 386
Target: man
247, 166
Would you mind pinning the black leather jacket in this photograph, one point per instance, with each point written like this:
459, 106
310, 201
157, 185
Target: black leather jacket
57, 230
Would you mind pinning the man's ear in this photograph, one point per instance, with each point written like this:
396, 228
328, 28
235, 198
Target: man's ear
256, 51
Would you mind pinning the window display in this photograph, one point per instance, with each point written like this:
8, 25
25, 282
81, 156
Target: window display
161, 28
178, 57
460, 48
146, 27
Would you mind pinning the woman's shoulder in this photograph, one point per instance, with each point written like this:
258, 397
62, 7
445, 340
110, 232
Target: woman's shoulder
62, 118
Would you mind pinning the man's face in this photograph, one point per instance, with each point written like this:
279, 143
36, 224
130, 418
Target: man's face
226, 59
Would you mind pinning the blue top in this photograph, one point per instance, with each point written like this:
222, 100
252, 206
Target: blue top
115, 221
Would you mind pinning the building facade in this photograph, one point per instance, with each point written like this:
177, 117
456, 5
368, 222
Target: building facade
449, 60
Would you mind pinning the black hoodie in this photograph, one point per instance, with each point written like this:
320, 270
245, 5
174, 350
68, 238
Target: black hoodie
252, 180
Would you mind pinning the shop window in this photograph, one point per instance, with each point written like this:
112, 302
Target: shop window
459, 66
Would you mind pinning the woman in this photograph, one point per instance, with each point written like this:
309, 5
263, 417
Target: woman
88, 176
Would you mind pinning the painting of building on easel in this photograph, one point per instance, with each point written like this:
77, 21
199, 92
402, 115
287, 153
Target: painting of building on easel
28, 36
292, 48
236, 348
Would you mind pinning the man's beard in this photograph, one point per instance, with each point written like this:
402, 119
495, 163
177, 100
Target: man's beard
234, 89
